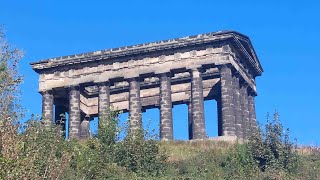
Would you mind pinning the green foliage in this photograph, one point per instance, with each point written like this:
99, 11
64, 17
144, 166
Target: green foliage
98, 157
239, 163
272, 149
37, 153
140, 156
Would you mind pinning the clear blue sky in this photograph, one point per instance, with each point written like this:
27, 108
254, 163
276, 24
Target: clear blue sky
285, 35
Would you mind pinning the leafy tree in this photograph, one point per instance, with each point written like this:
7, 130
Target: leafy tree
9, 109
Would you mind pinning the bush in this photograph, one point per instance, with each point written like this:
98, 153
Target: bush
106, 155
272, 149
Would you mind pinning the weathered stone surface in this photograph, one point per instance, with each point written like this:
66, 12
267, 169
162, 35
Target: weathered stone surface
245, 110
74, 112
252, 113
190, 121
166, 126
135, 115
198, 123
104, 101
226, 107
107, 78
237, 107
47, 108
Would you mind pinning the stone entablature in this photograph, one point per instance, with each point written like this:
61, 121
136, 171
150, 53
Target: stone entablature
220, 66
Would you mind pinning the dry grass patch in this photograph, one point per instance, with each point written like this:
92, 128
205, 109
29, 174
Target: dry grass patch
182, 150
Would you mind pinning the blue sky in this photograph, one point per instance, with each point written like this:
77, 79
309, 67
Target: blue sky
285, 35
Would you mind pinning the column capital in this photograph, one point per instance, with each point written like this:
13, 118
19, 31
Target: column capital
196, 69
49, 91
73, 87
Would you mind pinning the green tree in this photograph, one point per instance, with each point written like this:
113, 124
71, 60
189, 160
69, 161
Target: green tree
272, 148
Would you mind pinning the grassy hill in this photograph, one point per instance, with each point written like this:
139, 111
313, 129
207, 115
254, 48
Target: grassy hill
223, 160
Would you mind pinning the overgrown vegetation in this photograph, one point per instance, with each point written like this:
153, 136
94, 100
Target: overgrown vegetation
41, 153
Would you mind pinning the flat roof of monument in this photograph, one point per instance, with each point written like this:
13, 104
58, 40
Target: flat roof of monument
147, 47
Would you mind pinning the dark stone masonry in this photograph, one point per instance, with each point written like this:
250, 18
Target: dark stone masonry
220, 66
198, 125
166, 126
104, 100
74, 112
135, 116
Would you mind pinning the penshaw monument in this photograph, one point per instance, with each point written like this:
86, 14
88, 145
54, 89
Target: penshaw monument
189, 70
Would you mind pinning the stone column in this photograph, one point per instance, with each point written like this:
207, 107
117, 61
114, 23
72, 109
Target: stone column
219, 111
198, 123
60, 117
47, 108
190, 119
74, 112
103, 101
166, 127
135, 115
252, 114
225, 103
237, 107
245, 110
85, 126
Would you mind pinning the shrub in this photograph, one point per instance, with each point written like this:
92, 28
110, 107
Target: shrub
272, 149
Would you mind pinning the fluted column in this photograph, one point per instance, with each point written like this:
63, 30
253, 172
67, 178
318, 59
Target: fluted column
198, 123
226, 106
47, 108
190, 119
166, 127
85, 126
103, 101
74, 112
252, 113
245, 110
237, 107
135, 115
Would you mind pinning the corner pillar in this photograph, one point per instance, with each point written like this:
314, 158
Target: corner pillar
198, 122
189, 104
237, 107
252, 114
135, 115
166, 127
245, 110
225, 103
74, 112
47, 108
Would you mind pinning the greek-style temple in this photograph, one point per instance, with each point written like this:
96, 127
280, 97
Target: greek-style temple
189, 70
